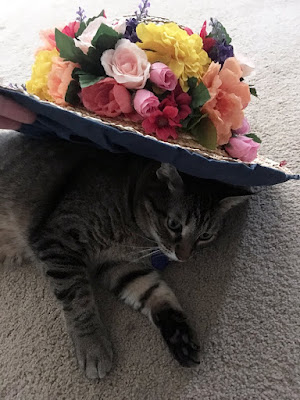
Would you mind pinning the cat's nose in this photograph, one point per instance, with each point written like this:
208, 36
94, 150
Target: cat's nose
183, 252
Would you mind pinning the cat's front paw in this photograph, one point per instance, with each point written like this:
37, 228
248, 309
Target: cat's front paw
179, 336
94, 354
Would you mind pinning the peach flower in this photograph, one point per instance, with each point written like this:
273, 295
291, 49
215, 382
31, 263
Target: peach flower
59, 78
229, 96
127, 64
48, 37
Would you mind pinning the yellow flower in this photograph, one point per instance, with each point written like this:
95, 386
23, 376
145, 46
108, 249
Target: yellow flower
38, 84
171, 45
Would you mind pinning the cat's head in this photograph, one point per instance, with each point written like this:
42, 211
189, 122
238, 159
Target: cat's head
182, 213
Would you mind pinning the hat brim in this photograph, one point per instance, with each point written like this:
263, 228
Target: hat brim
119, 136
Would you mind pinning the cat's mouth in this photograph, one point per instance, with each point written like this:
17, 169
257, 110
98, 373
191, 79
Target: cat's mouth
170, 254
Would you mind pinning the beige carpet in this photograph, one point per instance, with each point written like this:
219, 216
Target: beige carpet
242, 294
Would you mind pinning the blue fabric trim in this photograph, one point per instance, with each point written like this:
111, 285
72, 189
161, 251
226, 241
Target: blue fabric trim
54, 121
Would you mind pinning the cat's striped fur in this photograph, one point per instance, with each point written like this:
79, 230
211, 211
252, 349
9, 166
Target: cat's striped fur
88, 218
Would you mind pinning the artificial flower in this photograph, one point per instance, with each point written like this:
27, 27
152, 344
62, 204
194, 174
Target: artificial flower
188, 30
48, 37
244, 129
228, 97
208, 42
177, 98
145, 102
130, 32
127, 64
107, 98
71, 29
220, 52
162, 76
38, 84
173, 46
162, 123
120, 26
59, 78
242, 147
246, 65
85, 39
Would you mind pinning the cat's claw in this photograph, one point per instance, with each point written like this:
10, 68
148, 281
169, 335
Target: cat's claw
94, 354
179, 336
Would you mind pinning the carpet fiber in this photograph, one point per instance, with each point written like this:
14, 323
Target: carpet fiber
242, 294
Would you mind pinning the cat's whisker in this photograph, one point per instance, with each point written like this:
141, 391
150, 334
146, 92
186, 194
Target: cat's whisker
144, 237
151, 253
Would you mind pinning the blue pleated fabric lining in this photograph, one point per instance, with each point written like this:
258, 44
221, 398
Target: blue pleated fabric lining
53, 121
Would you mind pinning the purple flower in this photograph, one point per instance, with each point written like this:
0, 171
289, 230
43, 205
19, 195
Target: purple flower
143, 7
220, 52
130, 32
80, 15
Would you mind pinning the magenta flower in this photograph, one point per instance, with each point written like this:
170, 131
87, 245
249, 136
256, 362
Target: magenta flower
162, 123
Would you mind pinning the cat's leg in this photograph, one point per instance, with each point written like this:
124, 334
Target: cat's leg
143, 289
70, 280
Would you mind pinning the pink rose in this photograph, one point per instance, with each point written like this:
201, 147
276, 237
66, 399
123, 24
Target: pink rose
107, 98
71, 29
145, 102
128, 64
244, 129
242, 147
162, 76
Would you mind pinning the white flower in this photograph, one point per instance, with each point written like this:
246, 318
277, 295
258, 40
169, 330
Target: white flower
120, 26
85, 39
246, 65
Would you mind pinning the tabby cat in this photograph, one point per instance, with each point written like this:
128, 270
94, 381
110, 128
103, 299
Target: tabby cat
87, 216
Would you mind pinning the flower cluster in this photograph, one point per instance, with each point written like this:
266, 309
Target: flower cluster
165, 77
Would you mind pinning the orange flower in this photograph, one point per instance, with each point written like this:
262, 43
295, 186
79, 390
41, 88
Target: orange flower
59, 78
229, 96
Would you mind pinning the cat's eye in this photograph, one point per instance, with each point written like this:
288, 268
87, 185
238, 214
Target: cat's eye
174, 224
205, 236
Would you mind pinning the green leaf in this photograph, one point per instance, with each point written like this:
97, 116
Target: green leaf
93, 18
86, 79
71, 96
253, 91
192, 82
75, 74
200, 95
67, 48
254, 137
107, 34
205, 133
81, 28
219, 32
68, 51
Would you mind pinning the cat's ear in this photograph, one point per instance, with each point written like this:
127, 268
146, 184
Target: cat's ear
228, 203
168, 173
236, 197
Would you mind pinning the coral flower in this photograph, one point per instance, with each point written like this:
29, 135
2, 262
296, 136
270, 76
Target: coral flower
229, 96
173, 46
38, 84
59, 78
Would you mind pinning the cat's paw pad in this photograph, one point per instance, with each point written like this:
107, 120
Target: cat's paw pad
94, 354
179, 336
